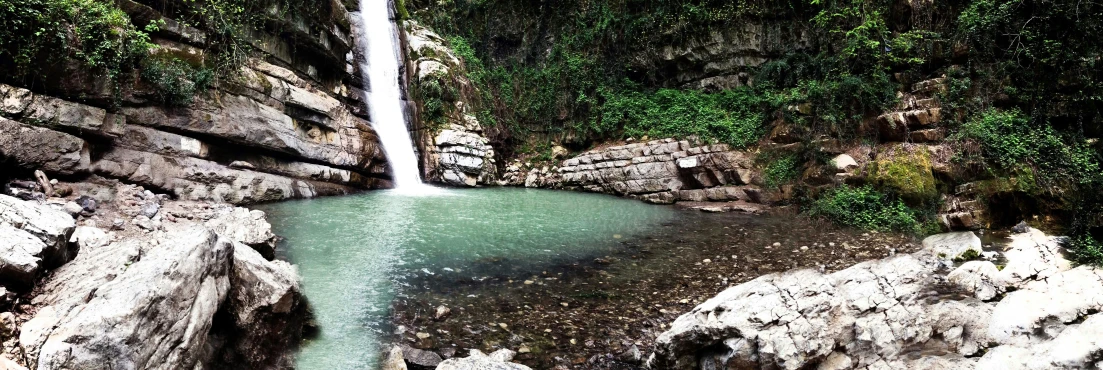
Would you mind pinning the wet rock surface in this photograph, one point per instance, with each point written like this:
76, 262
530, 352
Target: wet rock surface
605, 312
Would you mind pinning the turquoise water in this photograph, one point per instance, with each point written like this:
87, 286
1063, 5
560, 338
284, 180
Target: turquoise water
355, 252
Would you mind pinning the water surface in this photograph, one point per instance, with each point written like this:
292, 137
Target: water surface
356, 253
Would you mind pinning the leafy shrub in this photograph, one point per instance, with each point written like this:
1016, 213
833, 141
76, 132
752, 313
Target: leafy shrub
41, 34
781, 170
1010, 139
866, 208
1085, 249
176, 81
731, 117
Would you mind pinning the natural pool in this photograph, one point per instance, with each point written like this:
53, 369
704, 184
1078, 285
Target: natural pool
356, 253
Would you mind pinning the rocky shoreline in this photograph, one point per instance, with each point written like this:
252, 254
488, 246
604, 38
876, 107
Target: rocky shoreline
605, 313
137, 280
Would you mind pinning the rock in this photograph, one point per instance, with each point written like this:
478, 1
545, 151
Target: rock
20, 257
420, 359
394, 360
44, 182
981, 278
51, 226
40, 148
87, 203
88, 237
1020, 228
73, 209
7, 364
143, 222
250, 227
242, 164
559, 152
149, 209
953, 245
441, 313
268, 311
134, 304
844, 163
632, 355
869, 315
197, 179
477, 360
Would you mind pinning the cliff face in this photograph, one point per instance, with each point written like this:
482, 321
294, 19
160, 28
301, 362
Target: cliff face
915, 103
287, 121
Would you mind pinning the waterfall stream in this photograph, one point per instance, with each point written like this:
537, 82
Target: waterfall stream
380, 69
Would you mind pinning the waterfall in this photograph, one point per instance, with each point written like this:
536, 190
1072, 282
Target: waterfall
380, 69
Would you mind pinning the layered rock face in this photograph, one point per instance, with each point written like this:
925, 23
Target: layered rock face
454, 149
659, 171
907, 311
287, 125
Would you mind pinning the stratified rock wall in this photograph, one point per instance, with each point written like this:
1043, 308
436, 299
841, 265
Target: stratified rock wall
287, 125
454, 148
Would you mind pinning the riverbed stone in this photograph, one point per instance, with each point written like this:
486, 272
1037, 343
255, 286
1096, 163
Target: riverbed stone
477, 360
420, 359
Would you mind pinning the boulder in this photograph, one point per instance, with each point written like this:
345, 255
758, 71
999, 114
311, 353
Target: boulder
477, 360
267, 311
134, 304
953, 245
420, 359
394, 360
51, 226
20, 257
843, 163
250, 227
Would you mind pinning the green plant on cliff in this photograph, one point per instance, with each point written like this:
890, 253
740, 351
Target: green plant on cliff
37, 36
1010, 139
866, 208
780, 170
175, 80
732, 117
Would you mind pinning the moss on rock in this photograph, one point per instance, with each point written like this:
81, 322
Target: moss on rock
905, 170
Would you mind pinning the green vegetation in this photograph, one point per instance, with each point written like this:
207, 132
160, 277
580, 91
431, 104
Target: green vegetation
42, 38
37, 35
866, 208
1085, 249
175, 80
968, 255
781, 170
1010, 141
732, 116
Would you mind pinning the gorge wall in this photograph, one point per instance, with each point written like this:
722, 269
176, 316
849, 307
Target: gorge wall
839, 109
285, 120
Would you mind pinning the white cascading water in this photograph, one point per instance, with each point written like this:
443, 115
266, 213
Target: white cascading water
379, 41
